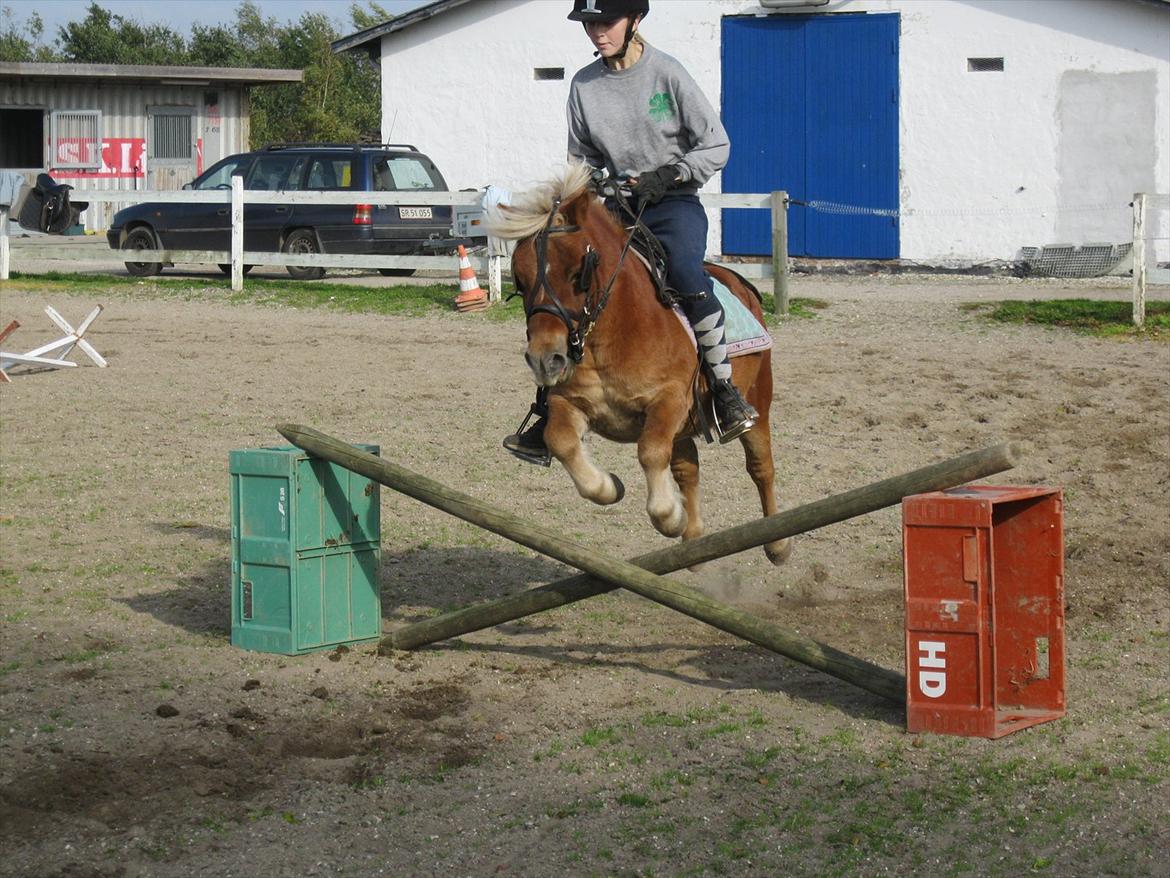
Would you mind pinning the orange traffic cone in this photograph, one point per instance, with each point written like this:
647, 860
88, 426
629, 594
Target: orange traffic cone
471, 297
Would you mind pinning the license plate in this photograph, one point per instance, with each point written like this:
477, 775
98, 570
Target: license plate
415, 213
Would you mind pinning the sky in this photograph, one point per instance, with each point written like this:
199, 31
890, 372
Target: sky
180, 15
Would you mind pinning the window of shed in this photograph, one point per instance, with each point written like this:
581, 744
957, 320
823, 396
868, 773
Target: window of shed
22, 133
76, 139
171, 136
985, 65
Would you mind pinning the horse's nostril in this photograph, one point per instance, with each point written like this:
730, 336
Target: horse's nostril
557, 363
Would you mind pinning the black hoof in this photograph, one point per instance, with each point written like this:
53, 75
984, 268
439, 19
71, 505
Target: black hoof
621, 489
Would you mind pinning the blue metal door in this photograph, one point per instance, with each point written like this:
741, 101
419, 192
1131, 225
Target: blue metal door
811, 105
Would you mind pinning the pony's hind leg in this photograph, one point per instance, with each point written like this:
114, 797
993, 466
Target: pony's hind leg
562, 434
757, 447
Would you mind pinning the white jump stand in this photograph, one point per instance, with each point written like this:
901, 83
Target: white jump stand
52, 354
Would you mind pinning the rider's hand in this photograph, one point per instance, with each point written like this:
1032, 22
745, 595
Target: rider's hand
652, 185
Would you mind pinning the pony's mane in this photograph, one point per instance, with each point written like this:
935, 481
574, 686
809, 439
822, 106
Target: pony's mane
528, 211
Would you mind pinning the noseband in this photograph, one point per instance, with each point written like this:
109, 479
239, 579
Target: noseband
579, 324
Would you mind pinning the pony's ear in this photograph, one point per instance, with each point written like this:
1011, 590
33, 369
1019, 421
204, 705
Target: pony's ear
558, 220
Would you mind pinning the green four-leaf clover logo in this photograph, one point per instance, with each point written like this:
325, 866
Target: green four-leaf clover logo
661, 107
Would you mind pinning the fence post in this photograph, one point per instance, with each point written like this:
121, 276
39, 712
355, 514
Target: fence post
496, 251
1138, 251
237, 234
3, 242
780, 252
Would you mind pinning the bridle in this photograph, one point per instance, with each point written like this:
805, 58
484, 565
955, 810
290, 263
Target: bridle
578, 323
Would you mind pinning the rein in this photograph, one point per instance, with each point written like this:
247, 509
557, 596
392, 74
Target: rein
578, 324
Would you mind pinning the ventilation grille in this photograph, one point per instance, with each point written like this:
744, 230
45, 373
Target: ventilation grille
77, 138
548, 72
172, 137
985, 65
1069, 260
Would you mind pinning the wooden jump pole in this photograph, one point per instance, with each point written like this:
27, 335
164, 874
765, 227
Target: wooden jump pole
686, 600
750, 535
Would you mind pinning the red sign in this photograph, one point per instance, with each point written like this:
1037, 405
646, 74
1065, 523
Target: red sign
121, 157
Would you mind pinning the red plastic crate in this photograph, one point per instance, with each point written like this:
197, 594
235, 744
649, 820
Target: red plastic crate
984, 586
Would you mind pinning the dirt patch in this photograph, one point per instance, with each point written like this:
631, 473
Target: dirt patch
608, 737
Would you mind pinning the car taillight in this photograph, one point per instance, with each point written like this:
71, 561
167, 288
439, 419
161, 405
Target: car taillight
361, 214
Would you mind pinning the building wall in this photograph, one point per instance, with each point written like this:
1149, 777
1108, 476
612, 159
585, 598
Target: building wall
220, 130
1048, 151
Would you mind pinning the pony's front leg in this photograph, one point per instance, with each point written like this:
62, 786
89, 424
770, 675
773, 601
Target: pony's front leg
562, 434
655, 451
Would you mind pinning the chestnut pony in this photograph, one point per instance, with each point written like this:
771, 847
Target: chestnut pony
615, 360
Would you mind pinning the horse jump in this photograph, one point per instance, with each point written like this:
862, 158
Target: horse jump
606, 573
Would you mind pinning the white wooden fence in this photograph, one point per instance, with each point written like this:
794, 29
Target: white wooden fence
491, 264
1142, 203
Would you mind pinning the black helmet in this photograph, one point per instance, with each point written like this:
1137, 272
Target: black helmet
608, 10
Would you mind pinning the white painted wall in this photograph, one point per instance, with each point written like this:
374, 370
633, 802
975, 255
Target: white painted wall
990, 162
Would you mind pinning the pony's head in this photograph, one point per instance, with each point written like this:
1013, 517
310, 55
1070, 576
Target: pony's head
569, 246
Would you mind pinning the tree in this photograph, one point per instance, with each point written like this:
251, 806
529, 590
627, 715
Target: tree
337, 100
364, 18
22, 43
105, 38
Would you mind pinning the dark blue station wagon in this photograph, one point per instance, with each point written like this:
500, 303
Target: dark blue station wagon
373, 229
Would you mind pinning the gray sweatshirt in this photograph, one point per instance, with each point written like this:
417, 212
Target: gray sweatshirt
650, 115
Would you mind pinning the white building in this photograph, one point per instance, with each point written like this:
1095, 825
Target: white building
936, 131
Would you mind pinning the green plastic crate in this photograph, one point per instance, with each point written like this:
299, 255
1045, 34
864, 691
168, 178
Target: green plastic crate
306, 547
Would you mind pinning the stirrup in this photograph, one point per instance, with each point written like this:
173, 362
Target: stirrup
527, 443
733, 431
744, 417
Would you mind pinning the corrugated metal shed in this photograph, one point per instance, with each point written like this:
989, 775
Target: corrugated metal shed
107, 126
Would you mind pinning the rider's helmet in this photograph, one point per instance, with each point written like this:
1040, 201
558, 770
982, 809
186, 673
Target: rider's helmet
608, 10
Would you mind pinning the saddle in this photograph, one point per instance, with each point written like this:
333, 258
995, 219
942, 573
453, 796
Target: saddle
48, 208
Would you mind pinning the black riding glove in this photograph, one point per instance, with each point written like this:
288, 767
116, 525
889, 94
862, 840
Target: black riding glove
652, 185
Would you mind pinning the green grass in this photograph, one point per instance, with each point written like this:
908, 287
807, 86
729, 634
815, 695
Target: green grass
405, 300
412, 301
799, 307
1088, 316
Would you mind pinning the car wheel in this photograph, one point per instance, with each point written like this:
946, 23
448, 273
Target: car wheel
141, 239
227, 269
302, 242
396, 272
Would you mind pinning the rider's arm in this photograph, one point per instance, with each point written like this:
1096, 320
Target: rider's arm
581, 147
710, 145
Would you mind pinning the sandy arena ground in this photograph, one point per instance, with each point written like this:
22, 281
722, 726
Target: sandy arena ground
612, 737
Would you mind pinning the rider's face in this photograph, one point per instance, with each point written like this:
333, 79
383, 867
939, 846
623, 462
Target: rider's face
608, 37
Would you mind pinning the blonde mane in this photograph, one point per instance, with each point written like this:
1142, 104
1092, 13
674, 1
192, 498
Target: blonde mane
528, 211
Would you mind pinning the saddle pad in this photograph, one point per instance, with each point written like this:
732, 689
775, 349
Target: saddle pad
744, 333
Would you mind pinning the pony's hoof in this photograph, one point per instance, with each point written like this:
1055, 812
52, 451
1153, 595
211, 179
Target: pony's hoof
673, 525
619, 489
779, 551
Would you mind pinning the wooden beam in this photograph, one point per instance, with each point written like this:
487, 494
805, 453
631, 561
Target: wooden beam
750, 535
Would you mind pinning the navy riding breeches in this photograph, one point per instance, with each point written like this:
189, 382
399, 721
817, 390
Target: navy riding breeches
680, 224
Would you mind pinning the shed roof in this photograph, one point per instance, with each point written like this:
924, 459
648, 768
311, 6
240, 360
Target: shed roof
147, 73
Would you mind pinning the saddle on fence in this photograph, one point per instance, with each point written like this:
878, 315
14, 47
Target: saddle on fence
48, 208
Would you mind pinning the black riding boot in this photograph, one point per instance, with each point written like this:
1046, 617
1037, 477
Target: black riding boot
734, 416
527, 443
